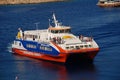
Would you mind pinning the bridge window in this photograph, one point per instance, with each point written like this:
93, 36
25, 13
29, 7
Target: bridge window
67, 31
52, 31
61, 31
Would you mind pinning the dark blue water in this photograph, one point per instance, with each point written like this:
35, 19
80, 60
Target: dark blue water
84, 17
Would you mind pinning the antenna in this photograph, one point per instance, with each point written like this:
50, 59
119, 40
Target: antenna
36, 25
49, 23
37, 29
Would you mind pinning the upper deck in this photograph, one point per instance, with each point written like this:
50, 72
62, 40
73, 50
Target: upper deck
60, 35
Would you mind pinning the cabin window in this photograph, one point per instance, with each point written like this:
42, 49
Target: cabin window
15, 42
31, 36
19, 44
71, 47
90, 46
67, 47
35, 36
81, 46
86, 46
77, 47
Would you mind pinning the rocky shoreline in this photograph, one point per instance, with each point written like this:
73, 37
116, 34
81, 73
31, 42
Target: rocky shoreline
26, 1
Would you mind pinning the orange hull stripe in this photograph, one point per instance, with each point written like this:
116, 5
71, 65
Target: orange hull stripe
83, 50
60, 58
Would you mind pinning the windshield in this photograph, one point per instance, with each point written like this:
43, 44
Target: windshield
61, 31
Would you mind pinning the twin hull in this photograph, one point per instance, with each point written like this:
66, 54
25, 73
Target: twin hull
52, 52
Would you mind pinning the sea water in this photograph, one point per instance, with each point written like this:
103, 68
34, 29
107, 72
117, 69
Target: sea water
84, 17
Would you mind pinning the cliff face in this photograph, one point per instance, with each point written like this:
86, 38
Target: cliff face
25, 1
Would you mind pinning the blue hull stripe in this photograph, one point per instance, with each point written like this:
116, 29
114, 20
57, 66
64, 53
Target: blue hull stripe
44, 48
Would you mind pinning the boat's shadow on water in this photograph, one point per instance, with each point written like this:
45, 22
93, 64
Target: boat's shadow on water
84, 71
75, 71
80, 67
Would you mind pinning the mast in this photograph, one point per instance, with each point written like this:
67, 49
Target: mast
55, 21
37, 29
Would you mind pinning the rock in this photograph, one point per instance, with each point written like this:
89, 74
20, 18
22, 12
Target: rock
25, 1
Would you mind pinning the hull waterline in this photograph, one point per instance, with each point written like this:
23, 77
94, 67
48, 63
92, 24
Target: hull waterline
61, 58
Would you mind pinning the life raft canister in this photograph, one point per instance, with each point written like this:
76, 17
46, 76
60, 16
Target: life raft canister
67, 37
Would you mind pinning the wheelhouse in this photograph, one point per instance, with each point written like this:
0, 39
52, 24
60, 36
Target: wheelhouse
55, 30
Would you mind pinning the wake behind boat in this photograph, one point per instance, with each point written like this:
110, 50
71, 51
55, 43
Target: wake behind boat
56, 43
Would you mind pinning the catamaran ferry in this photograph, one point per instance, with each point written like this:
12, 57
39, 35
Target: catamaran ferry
56, 43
